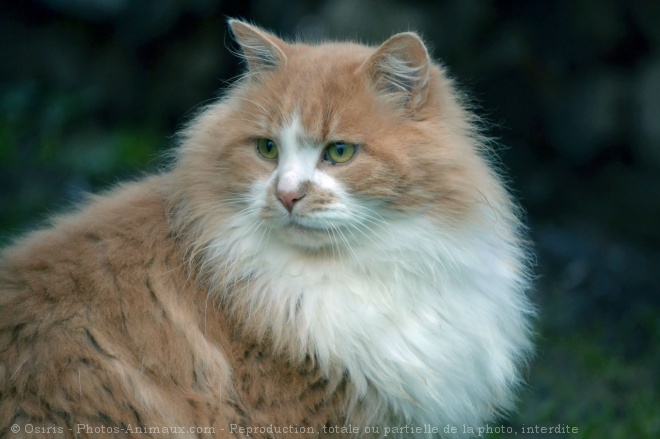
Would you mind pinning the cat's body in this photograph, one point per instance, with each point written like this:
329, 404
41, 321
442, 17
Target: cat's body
299, 288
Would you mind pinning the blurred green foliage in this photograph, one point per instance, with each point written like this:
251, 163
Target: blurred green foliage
52, 153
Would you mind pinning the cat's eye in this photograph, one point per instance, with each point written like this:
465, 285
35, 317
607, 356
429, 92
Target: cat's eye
267, 148
339, 152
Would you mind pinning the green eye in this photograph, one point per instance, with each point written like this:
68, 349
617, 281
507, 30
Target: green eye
339, 152
267, 148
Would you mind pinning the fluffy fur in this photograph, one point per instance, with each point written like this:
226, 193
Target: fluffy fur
393, 293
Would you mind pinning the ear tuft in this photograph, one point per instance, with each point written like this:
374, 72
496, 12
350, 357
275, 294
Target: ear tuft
261, 50
400, 68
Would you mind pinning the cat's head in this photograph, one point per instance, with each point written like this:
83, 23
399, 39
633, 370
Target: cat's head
319, 145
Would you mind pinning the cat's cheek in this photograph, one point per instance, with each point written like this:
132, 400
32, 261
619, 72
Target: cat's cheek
326, 182
258, 197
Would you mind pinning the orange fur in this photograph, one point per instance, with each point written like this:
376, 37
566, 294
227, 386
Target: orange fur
103, 326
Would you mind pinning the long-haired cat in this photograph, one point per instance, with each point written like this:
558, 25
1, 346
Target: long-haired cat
330, 253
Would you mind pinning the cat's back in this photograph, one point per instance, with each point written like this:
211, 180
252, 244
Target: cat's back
92, 310
123, 228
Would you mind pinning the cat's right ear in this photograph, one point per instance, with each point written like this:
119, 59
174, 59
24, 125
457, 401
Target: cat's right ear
261, 50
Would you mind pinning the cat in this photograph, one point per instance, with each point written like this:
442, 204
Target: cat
331, 252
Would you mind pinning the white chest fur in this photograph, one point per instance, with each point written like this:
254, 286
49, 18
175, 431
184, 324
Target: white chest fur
427, 325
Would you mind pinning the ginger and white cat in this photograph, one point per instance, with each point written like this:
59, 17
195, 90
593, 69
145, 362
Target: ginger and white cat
330, 246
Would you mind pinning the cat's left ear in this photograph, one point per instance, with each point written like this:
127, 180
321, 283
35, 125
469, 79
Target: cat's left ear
261, 50
399, 70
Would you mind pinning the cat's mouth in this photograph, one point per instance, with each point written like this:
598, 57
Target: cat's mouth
304, 235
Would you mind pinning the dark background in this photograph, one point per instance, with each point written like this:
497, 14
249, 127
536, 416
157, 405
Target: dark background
92, 91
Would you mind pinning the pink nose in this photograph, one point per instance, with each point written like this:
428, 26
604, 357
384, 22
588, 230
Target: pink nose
289, 199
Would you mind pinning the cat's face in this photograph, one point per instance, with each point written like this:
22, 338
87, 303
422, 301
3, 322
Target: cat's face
301, 190
321, 145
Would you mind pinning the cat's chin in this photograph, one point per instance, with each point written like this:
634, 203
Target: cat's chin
308, 239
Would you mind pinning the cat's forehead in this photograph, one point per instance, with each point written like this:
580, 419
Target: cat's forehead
321, 87
327, 70
327, 57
